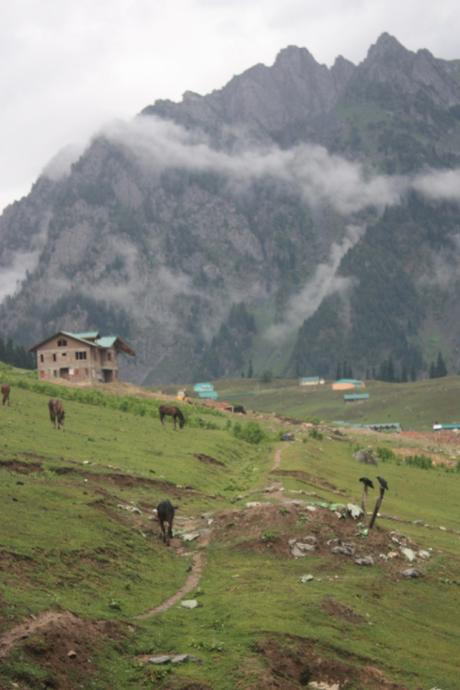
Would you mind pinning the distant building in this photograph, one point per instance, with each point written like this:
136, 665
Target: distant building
80, 356
311, 381
205, 391
355, 397
347, 385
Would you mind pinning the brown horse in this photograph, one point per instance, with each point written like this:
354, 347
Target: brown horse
174, 412
5, 393
57, 413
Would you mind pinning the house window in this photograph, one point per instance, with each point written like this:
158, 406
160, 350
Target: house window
109, 356
42, 359
54, 357
55, 373
80, 355
64, 354
62, 342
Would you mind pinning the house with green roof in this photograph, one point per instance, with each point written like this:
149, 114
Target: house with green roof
80, 357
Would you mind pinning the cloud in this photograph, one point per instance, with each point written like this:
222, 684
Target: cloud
324, 282
439, 185
319, 177
60, 165
11, 278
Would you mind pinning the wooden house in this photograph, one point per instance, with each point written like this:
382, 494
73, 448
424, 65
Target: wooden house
80, 356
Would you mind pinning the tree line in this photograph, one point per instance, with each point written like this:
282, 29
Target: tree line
16, 355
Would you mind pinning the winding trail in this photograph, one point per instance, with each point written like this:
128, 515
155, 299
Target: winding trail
198, 559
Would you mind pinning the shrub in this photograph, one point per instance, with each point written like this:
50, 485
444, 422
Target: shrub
250, 432
384, 454
422, 461
317, 435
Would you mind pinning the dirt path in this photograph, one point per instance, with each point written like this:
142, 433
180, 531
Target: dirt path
198, 561
43, 620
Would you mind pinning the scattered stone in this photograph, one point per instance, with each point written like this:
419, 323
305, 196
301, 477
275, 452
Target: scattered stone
424, 554
189, 603
344, 549
412, 572
311, 538
306, 578
288, 436
354, 510
417, 522
300, 549
365, 560
162, 659
190, 536
130, 509
253, 504
72, 654
392, 554
314, 685
443, 529
312, 509
408, 554
172, 658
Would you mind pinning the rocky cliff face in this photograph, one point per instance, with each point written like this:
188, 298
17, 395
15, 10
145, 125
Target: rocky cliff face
281, 219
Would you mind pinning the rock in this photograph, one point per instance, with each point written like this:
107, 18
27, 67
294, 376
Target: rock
189, 603
321, 685
253, 504
412, 572
443, 529
306, 578
72, 654
299, 549
424, 554
288, 437
366, 456
312, 509
365, 560
408, 554
190, 536
354, 510
171, 658
311, 538
392, 554
344, 549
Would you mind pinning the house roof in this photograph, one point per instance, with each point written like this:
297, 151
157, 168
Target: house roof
101, 343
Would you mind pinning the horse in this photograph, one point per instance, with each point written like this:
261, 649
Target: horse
5, 394
165, 513
173, 412
57, 413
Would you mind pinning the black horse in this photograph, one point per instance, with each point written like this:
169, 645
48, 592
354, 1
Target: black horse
174, 412
165, 513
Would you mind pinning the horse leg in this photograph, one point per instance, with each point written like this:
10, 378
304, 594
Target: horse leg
161, 419
163, 531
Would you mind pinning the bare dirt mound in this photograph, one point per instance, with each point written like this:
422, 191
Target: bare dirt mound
60, 642
273, 528
292, 663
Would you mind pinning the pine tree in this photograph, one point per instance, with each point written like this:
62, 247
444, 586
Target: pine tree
441, 369
432, 372
250, 370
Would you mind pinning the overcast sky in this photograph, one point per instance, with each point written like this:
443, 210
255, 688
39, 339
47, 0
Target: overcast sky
69, 66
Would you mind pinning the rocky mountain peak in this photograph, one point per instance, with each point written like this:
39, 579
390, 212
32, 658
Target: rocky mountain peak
387, 45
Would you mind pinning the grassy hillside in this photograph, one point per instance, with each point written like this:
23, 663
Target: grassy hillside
415, 405
80, 552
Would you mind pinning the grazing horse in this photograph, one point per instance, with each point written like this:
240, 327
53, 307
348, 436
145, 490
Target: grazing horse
173, 412
5, 393
165, 513
57, 413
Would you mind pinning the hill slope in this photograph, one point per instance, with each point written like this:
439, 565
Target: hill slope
81, 554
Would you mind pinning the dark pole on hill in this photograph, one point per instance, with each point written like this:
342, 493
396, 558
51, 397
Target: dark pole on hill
383, 488
367, 483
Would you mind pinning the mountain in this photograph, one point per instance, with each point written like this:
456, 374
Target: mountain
299, 216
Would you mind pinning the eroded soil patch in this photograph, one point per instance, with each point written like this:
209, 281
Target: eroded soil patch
21, 467
208, 459
61, 643
291, 663
309, 479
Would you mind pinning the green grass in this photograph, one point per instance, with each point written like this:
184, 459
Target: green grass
414, 405
66, 544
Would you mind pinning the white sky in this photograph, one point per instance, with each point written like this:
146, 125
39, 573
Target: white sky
68, 66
